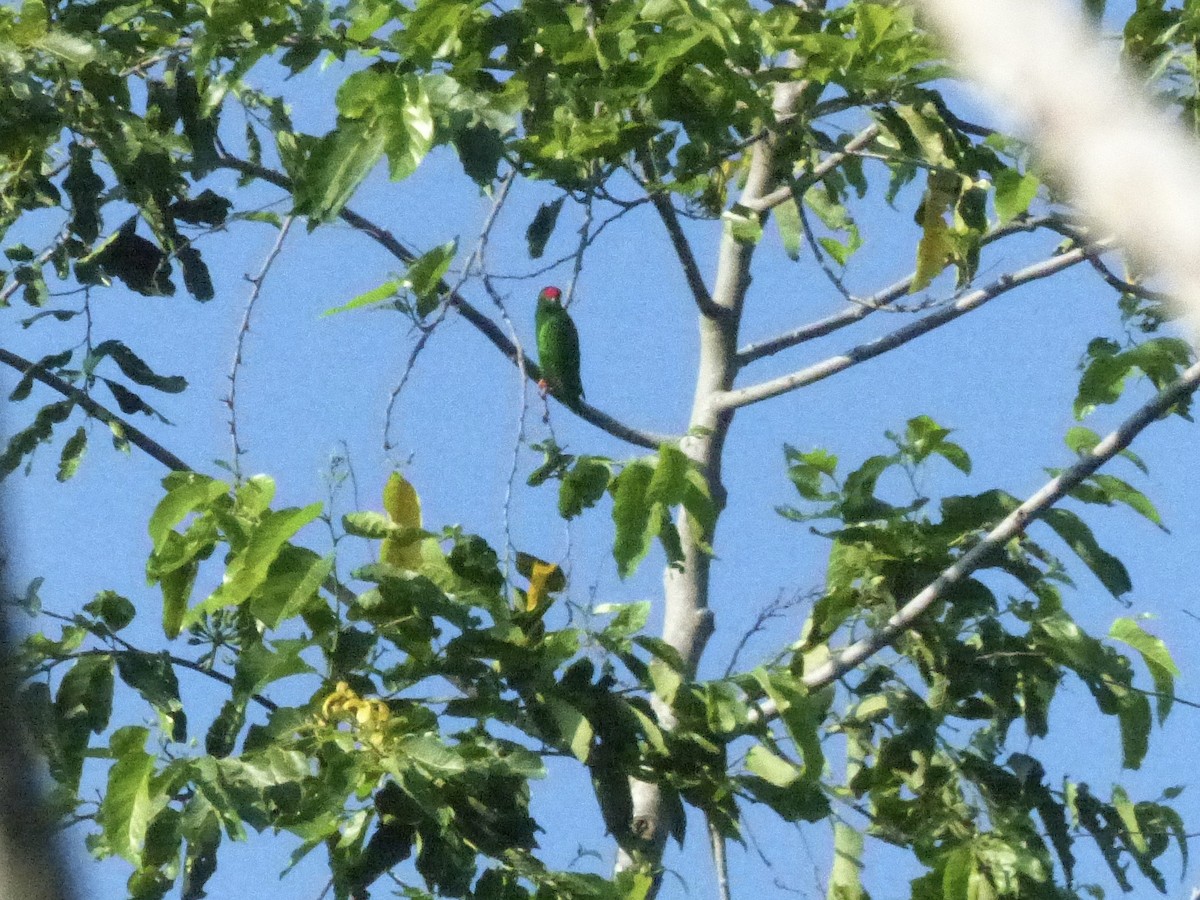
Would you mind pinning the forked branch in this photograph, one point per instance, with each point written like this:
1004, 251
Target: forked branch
756, 393
866, 305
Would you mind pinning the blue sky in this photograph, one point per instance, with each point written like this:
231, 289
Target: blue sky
1003, 377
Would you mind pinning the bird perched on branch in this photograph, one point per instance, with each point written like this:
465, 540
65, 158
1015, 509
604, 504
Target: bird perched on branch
558, 349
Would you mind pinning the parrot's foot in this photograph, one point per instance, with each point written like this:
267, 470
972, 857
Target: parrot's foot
544, 392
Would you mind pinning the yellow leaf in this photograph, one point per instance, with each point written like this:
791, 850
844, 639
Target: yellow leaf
540, 581
936, 246
526, 562
403, 506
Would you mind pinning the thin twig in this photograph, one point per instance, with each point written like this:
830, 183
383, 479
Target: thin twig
773, 610
577, 266
834, 278
568, 257
473, 264
756, 393
133, 434
510, 483
1125, 286
1080, 236
128, 649
256, 286
1013, 524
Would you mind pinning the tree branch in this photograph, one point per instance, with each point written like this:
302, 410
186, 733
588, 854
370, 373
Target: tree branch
135, 435
687, 618
740, 397
1013, 524
489, 329
679, 241
866, 305
823, 168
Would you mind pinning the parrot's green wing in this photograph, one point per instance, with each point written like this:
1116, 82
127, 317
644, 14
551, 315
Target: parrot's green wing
558, 352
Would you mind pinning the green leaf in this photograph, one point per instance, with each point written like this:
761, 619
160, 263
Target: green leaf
1014, 193
1155, 655
131, 403
542, 226
67, 47
925, 437
631, 514
177, 587
424, 276
432, 754
936, 246
337, 165
583, 485
196, 277
292, 584
1107, 489
627, 618
670, 476
801, 714
127, 808
1103, 381
32, 24
206, 208
808, 470
1106, 567
772, 767
845, 881
573, 727
187, 492
260, 665
1084, 440
860, 503
385, 291
743, 224
141, 264
700, 507
112, 609
1133, 714
368, 524
248, 569
153, 676
394, 107
72, 454
410, 135
787, 220
83, 187
24, 442
480, 148
85, 694
134, 367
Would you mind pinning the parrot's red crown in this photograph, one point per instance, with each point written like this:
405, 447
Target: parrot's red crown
551, 293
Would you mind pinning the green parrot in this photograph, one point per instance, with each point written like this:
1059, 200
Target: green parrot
558, 349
